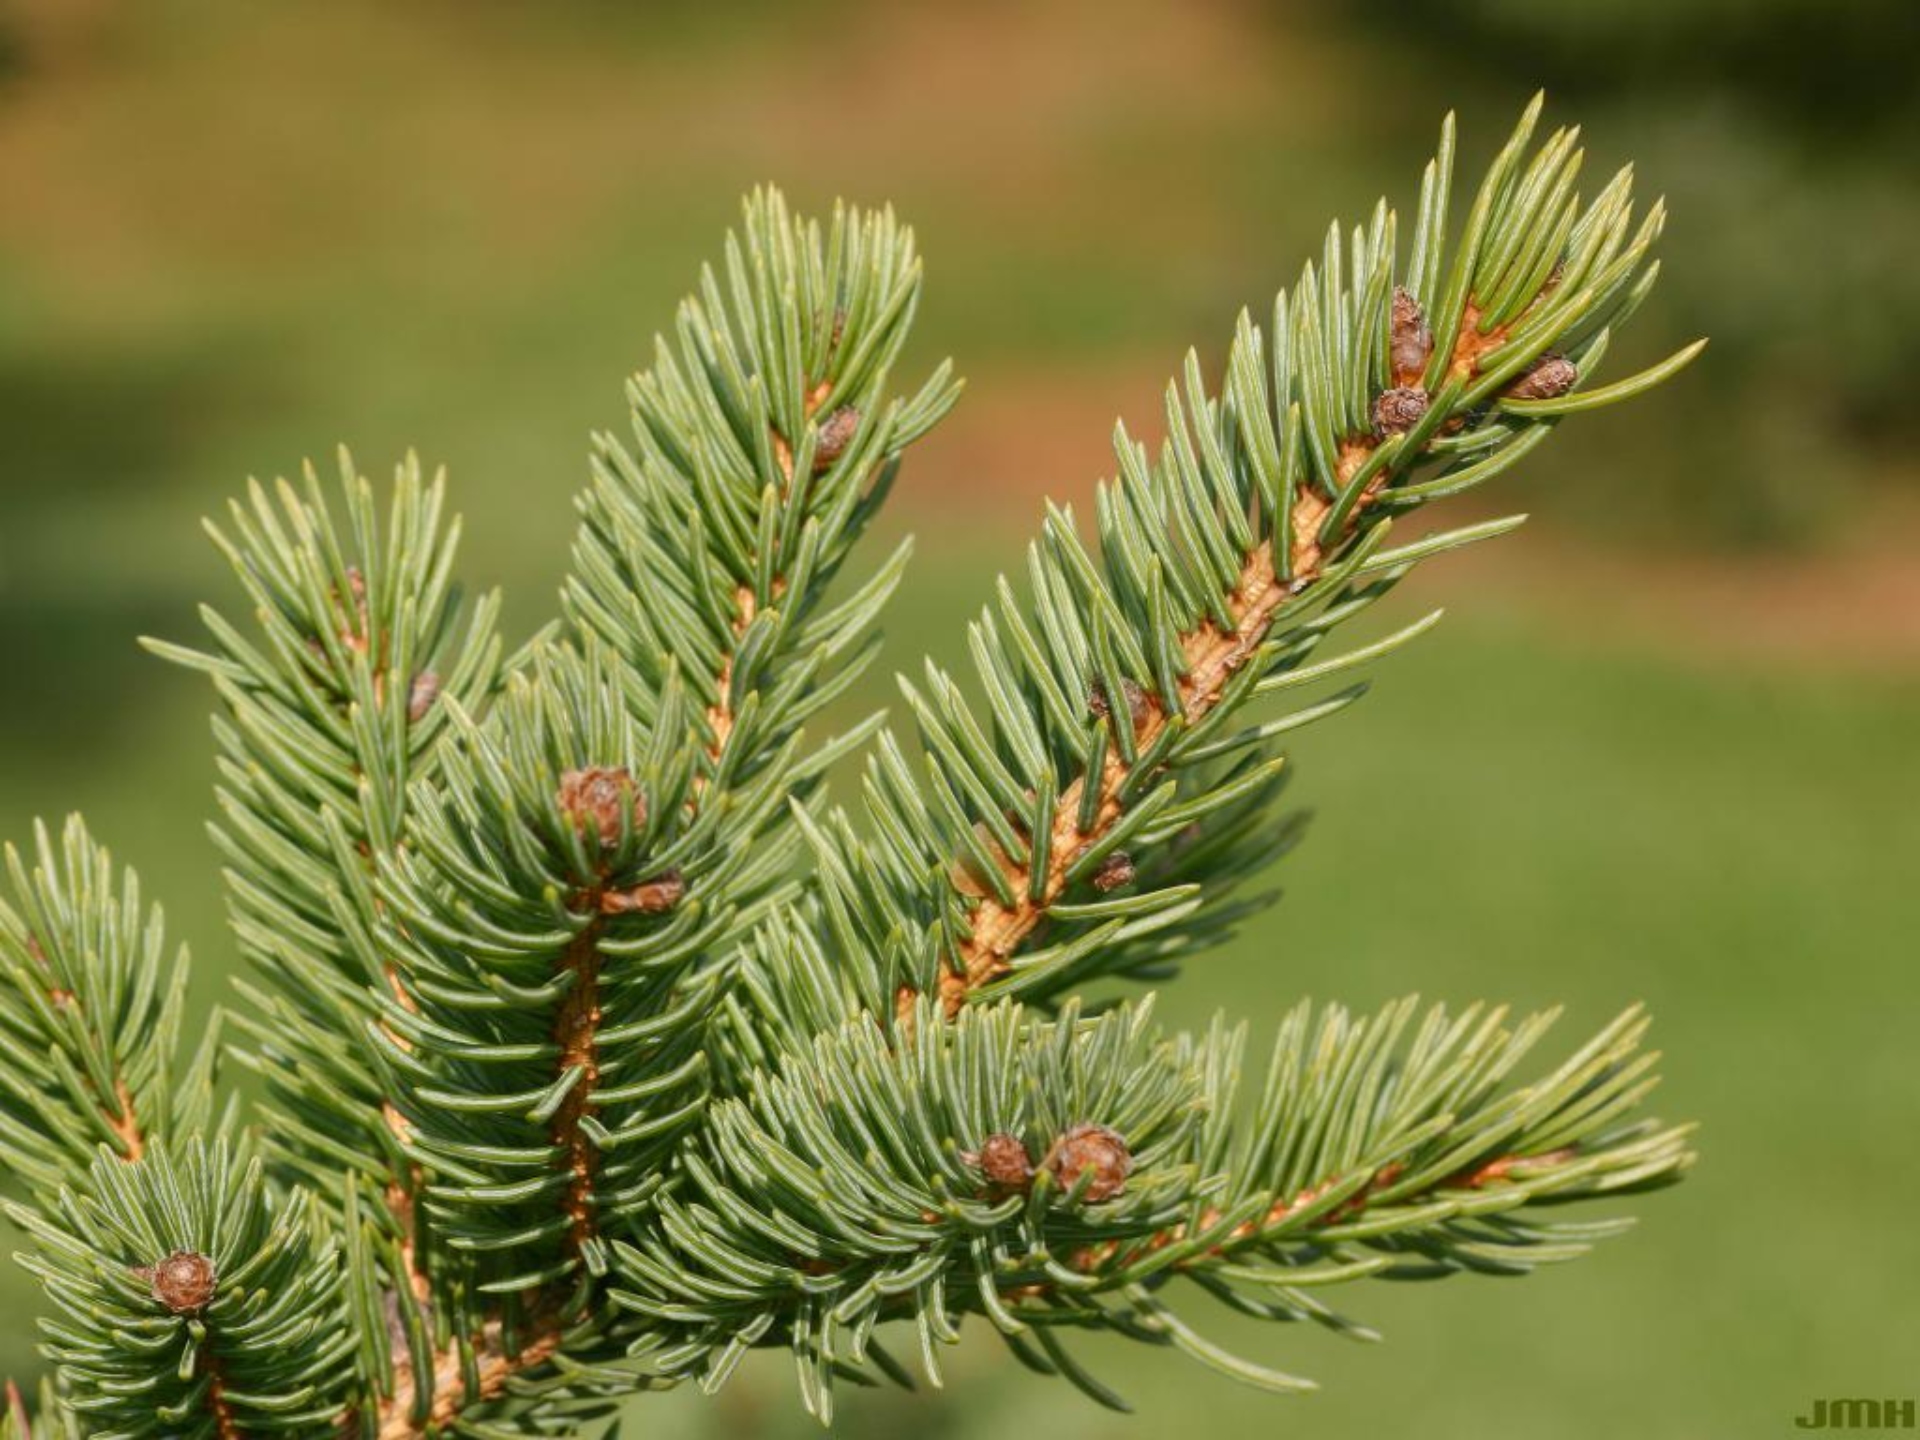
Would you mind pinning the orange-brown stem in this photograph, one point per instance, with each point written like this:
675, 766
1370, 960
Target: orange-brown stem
1120, 1254
494, 1368
720, 713
400, 1191
576, 1030
127, 1125
1211, 655
117, 1110
1470, 347
1099, 1256
224, 1425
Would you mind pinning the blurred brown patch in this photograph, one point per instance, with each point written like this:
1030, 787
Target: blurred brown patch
1856, 604
1018, 439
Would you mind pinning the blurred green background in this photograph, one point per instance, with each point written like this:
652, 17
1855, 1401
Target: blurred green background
1661, 749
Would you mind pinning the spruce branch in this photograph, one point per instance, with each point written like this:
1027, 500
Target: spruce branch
850, 1188
765, 438
1069, 824
327, 717
598, 1051
193, 1303
568, 853
90, 1017
545, 1046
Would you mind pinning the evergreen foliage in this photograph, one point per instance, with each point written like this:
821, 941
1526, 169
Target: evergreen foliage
190, 1300
598, 1048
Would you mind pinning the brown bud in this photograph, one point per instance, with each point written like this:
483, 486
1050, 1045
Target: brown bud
183, 1282
1136, 698
1116, 870
1409, 338
597, 796
1096, 1152
1547, 378
836, 431
651, 897
421, 694
1003, 1159
1400, 409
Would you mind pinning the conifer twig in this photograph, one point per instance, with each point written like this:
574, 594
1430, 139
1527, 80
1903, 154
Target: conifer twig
596, 1055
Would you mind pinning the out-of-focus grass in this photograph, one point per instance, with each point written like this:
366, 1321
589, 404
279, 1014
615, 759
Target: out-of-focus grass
237, 234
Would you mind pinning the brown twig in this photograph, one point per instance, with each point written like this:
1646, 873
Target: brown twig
361, 637
1098, 1257
401, 1189
720, 713
117, 1111
493, 1366
576, 1031
746, 606
1119, 1254
224, 1425
1211, 657
126, 1124
1470, 347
